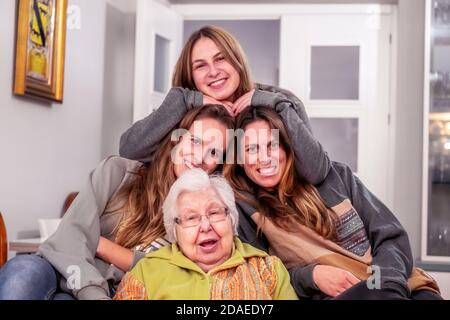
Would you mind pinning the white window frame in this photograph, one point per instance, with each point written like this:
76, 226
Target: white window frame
426, 111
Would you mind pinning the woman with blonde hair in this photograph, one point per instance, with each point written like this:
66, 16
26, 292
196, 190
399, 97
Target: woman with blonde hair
117, 217
337, 239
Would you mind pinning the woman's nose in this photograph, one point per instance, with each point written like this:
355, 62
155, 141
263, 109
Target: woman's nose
205, 225
207, 158
264, 156
213, 71
198, 160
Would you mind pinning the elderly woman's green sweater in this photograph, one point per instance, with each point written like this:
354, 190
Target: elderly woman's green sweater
167, 274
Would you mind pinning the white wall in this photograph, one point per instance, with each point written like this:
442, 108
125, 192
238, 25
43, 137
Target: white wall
48, 149
118, 74
443, 279
409, 118
283, 1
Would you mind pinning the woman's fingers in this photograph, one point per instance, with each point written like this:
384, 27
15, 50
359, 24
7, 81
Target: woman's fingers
351, 279
227, 104
243, 102
209, 100
229, 109
333, 281
241, 105
237, 103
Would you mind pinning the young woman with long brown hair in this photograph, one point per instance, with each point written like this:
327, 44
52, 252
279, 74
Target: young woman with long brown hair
117, 217
328, 236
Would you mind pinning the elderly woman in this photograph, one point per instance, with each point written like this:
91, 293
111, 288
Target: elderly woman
206, 260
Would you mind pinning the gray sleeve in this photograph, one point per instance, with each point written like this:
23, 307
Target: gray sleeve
311, 161
302, 281
72, 248
391, 250
141, 140
137, 256
297, 104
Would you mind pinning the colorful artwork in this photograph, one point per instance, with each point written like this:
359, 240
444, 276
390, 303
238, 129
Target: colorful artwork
41, 27
40, 48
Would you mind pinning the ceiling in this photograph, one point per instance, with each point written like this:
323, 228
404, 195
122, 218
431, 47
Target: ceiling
282, 1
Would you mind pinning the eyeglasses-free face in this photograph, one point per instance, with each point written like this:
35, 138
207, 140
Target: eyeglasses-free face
207, 242
201, 147
213, 74
264, 157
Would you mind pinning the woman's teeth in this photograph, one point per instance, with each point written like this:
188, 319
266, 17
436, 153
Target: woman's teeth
267, 171
208, 243
217, 83
189, 164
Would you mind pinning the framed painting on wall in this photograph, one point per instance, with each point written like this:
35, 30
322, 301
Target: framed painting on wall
40, 49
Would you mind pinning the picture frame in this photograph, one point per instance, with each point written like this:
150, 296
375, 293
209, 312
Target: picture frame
40, 49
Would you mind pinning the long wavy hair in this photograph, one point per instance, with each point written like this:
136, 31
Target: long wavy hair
228, 45
293, 198
141, 200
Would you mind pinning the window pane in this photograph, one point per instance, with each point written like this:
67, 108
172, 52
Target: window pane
438, 184
161, 75
339, 137
334, 73
439, 189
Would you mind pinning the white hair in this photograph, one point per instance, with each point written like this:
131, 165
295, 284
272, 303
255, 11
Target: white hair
197, 180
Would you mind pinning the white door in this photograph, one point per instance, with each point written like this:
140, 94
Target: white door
339, 65
158, 43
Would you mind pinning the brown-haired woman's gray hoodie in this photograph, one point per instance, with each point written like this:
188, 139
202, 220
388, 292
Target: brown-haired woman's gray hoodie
71, 249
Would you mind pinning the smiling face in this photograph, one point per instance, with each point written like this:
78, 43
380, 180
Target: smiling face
264, 156
202, 146
207, 244
213, 74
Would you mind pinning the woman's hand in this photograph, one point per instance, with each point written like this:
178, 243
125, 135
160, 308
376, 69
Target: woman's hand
227, 104
333, 281
243, 102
